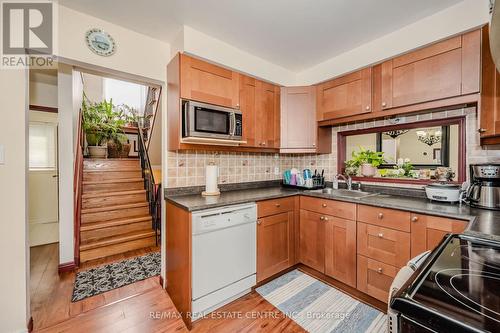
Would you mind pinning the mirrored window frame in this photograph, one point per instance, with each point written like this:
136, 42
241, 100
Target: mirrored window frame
445, 122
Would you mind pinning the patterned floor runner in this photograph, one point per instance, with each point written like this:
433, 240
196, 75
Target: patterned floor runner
317, 307
115, 275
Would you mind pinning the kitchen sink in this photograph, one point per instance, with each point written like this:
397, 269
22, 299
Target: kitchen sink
352, 194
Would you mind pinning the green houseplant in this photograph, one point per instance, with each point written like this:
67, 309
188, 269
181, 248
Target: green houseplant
368, 160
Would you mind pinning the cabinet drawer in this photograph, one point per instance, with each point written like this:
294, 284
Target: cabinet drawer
344, 210
389, 218
375, 278
274, 206
386, 245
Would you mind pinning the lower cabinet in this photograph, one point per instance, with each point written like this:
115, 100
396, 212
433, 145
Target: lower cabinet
340, 250
375, 278
312, 240
275, 244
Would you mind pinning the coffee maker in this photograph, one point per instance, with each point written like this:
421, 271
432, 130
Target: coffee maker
484, 190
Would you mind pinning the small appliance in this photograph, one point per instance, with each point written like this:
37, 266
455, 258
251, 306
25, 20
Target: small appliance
484, 191
210, 122
445, 192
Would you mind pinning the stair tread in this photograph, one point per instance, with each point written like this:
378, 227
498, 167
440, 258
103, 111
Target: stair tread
91, 170
114, 222
112, 181
99, 194
114, 207
106, 241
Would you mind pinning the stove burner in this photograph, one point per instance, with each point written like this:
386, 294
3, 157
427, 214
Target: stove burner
448, 282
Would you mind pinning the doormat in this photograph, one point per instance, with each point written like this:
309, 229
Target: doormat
318, 307
104, 278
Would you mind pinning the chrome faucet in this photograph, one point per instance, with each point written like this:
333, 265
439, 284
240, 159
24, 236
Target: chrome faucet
348, 180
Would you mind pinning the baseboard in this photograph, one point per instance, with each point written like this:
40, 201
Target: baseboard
66, 267
161, 281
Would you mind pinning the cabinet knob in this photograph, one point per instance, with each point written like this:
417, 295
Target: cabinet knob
481, 130
367, 108
379, 270
322, 218
263, 143
380, 215
384, 104
278, 205
323, 205
414, 219
238, 105
380, 235
314, 145
259, 222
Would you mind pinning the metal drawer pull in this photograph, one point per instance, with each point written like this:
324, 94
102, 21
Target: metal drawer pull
259, 222
380, 215
278, 205
324, 205
381, 235
379, 270
322, 218
414, 219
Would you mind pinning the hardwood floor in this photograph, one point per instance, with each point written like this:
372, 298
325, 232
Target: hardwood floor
50, 293
139, 307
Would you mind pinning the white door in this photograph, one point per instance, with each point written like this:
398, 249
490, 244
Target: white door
43, 183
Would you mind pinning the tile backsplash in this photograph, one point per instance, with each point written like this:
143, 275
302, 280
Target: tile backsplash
188, 168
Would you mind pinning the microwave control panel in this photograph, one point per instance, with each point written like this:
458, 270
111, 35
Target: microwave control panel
238, 130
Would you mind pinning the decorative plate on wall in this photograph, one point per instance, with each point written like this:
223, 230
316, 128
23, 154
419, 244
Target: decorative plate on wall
100, 42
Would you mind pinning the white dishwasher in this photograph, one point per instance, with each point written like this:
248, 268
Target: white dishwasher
224, 260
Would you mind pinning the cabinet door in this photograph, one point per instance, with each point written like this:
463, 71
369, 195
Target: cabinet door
275, 244
345, 96
298, 118
446, 69
340, 250
312, 240
247, 108
428, 231
208, 83
375, 278
267, 118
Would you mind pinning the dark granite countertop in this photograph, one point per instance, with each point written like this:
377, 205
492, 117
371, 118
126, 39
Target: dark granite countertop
482, 223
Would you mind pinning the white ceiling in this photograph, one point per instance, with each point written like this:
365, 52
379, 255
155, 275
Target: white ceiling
295, 34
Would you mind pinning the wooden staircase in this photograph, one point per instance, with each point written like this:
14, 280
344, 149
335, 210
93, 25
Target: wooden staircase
115, 215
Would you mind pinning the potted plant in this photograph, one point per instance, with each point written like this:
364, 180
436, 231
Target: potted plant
92, 124
368, 160
129, 114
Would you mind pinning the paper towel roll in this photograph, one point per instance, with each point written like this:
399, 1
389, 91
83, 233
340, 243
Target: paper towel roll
211, 176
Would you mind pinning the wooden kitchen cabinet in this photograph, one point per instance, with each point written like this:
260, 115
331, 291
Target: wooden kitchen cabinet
208, 83
275, 244
374, 277
345, 96
312, 240
340, 250
267, 115
247, 108
446, 69
299, 129
428, 231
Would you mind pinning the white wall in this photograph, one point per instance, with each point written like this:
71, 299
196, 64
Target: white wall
93, 87
14, 257
212, 49
43, 94
135, 53
464, 16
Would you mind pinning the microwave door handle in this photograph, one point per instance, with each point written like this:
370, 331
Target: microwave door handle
232, 124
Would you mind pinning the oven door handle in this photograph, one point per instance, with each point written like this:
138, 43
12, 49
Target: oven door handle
232, 123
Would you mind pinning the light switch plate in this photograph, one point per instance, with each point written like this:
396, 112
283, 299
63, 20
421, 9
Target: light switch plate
2, 154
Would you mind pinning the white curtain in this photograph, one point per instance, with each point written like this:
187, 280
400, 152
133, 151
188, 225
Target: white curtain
42, 145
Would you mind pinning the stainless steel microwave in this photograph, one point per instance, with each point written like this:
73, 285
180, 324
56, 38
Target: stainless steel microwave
201, 120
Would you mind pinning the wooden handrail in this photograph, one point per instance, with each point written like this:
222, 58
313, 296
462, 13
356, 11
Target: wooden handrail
77, 189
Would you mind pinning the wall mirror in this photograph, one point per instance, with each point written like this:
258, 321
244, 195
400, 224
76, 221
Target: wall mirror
418, 152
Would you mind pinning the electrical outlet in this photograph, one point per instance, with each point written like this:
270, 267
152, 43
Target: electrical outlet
276, 170
2, 154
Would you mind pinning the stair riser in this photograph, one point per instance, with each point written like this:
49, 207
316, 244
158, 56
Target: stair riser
110, 164
96, 176
114, 187
109, 250
113, 200
116, 230
114, 214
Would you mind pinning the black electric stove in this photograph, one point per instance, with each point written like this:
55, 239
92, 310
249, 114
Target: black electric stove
457, 289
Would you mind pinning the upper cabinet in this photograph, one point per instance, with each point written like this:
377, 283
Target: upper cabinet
446, 69
247, 108
267, 115
345, 96
205, 82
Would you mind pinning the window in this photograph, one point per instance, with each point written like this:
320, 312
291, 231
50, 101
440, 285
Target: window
122, 92
42, 145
